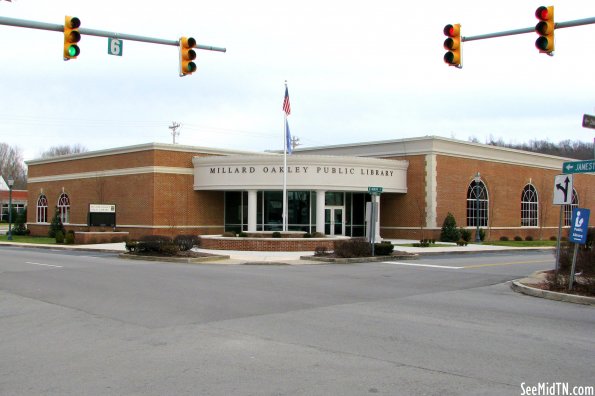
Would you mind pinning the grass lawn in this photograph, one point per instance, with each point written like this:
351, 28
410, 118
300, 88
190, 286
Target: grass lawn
29, 239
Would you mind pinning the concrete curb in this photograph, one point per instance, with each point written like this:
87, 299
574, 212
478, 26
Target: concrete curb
360, 259
519, 287
72, 248
183, 260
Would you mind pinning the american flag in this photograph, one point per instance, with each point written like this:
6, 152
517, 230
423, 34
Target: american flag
286, 105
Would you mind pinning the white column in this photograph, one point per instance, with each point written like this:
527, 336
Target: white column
320, 202
377, 237
252, 200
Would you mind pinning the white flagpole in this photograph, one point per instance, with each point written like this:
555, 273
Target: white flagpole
285, 172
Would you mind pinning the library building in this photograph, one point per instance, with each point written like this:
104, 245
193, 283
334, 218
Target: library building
167, 189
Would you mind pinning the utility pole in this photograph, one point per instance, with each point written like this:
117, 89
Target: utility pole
174, 126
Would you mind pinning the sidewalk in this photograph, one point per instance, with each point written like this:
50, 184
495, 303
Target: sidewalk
238, 257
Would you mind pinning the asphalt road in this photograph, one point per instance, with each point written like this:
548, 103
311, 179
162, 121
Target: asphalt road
76, 323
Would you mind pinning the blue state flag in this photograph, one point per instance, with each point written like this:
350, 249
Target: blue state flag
287, 137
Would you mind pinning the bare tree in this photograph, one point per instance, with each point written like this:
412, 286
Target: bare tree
12, 165
56, 151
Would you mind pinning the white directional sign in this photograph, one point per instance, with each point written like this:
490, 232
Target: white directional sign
563, 190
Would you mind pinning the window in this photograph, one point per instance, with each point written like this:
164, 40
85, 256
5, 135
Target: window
568, 209
529, 207
42, 209
64, 208
477, 204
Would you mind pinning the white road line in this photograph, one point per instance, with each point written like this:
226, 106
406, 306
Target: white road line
421, 265
44, 265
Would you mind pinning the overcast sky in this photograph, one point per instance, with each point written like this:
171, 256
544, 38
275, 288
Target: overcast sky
356, 72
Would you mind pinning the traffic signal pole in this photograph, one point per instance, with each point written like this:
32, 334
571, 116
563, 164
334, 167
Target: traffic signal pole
100, 33
558, 25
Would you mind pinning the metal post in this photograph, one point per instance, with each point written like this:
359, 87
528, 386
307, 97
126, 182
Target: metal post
571, 276
10, 184
558, 242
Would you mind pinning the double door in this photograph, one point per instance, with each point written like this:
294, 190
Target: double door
334, 220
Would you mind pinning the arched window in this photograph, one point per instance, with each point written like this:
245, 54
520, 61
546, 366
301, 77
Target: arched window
568, 209
529, 207
64, 208
42, 209
477, 204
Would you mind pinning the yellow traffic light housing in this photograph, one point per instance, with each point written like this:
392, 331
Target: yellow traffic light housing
71, 37
187, 56
453, 45
545, 28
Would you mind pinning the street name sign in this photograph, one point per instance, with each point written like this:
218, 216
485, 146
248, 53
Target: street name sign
588, 121
374, 190
563, 190
579, 166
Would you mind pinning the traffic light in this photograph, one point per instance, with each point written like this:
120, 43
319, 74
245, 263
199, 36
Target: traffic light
187, 55
545, 28
71, 37
453, 45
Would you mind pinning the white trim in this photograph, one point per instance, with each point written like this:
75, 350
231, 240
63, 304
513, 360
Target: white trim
137, 148
113, 172
431, 197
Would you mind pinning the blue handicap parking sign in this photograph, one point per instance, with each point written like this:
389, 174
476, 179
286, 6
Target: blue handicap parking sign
579, 226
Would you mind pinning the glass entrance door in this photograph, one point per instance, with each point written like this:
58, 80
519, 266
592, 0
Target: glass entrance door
334, 221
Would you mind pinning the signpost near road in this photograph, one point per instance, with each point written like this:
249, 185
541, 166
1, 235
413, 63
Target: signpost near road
373, 213
578, 234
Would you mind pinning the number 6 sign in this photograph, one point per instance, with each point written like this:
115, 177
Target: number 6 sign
114, 46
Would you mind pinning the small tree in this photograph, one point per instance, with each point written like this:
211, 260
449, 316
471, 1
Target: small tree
20, 227
56, 225
450, 232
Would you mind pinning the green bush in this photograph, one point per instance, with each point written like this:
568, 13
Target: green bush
462, 242
318, 235
156, 244
449, 231
276, 234
383, 248
229, 234
465, 234
59, 235
56, 225
553, 238
504, 238
518, 238
69, 238
242, 234
307, 235
353, 248
528, 238
186, 242
482, 234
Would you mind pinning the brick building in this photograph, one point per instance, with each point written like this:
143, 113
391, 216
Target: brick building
174, 189
19, 201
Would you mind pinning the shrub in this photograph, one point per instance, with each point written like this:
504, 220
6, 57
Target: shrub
159, 244
518, 238
20, 226
461, 242
185, 242
59, 235
504, 238
353, 248
307, 235
56, 225
465, 234
242, 234
449, 231
69, 238
383, 248
482, 234
553, 238
321, 251
132, 246
318, 235
276, 234
528, 238
228, 234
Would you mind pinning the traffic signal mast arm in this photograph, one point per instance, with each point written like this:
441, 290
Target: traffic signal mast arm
99, 33
558, 25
